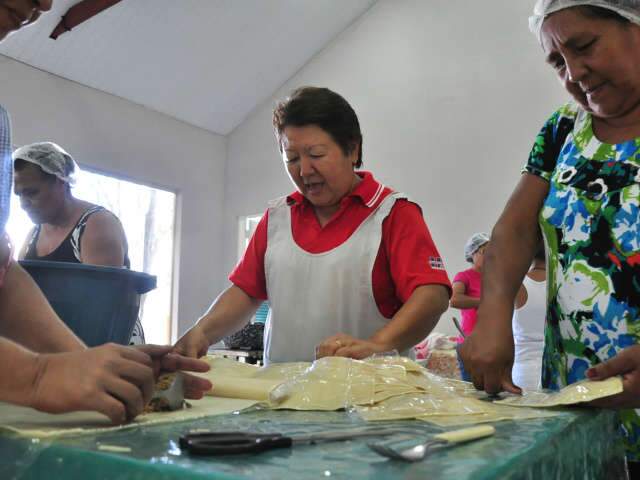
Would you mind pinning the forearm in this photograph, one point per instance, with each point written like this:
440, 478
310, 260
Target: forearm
18, 374
463, 301
27, 318
228, 313
415, 319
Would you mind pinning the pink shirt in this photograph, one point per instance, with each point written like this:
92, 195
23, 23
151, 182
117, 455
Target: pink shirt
472, 281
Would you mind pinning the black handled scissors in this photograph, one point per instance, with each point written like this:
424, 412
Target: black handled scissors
231, 443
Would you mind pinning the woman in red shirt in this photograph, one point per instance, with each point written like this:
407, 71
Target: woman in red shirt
347, 264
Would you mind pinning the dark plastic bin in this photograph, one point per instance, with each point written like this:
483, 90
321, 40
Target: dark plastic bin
100, 304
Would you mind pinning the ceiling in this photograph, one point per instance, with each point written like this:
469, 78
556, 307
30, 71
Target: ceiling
205, 62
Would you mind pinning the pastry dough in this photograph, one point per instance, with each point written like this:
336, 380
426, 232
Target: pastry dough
388, 388
579, 392
31, 423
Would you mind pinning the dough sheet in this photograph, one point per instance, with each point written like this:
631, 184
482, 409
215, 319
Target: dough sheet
31, 423
385, 388
584, 391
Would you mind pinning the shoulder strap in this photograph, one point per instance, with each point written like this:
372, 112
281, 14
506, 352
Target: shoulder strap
78, 230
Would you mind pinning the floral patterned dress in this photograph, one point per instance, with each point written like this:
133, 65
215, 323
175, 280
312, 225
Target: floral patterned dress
591, 226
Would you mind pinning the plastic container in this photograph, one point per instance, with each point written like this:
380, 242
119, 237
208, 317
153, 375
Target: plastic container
100, 304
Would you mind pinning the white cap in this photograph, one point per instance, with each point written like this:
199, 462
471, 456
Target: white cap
51, 158
473, 244
629, 9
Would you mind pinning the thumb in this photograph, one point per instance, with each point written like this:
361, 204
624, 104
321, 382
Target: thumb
618, 365
509, 386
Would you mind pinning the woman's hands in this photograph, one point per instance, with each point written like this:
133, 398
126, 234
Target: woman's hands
193, 344
343, 345
165, 360
627, 364
488, 352
111, 379
115, 380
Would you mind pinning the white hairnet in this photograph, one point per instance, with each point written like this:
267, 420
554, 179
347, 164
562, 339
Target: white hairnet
51, 158
473, 244
629, 9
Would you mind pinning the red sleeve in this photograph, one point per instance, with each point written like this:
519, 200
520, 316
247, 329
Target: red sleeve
413, 257
249, 272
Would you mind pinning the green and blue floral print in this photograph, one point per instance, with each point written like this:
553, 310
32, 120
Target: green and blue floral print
591, 225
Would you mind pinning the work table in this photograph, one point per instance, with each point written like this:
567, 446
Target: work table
577, 444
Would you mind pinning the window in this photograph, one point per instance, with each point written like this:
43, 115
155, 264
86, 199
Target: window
246, 226
147, 215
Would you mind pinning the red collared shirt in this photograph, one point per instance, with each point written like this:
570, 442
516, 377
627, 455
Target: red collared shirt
407, 257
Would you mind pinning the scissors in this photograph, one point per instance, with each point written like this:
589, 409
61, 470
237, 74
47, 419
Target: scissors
231, 443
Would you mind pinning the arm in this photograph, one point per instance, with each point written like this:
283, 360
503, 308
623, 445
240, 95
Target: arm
27, 318
409, 326
103, 241
114, 380
415, 319
228, 313
488, 352
460, 300
422, 289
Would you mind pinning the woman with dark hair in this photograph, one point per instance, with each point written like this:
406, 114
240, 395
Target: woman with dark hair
347, 264
67, 229
580, 190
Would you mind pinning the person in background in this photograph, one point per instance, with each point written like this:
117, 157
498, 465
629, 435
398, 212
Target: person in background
581, 190
467, 286
67, 229
44, 365
347, 264
528, 325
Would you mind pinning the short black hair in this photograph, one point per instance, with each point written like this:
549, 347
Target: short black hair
20, 165
325, 109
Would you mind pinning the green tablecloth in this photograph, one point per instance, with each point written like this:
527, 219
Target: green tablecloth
580, 444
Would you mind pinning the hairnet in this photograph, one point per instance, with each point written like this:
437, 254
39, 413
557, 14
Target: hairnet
629, 9
473, 244
51, 158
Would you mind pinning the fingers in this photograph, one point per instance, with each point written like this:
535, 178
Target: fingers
135, 354
196, 387
329, 347
624, 362
153, 351
509, 386
128, 394
139, 375
112, 408
173, 361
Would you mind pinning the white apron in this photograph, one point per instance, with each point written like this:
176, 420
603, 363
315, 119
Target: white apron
528, 336
315, 296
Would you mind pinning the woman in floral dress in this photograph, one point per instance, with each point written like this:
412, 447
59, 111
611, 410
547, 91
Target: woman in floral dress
580, 192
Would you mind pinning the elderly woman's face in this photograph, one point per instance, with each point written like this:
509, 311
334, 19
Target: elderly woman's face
15, 14
317, 166
40, 197
597, 60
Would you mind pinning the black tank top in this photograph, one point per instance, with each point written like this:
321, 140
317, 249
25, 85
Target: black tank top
69, 248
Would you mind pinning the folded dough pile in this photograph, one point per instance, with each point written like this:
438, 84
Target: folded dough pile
383, 388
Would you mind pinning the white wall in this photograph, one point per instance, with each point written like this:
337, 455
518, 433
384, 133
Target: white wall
119, 137
450, 94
